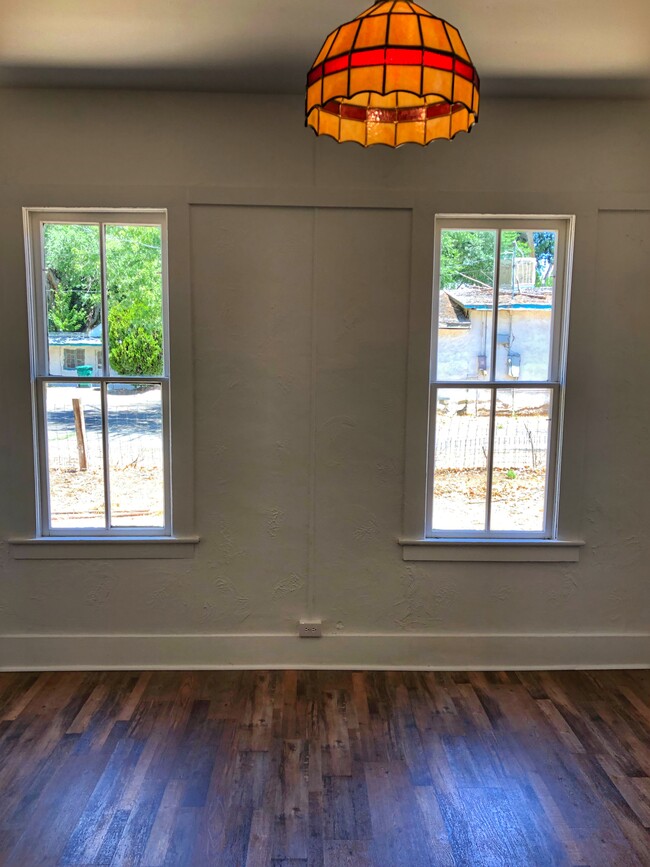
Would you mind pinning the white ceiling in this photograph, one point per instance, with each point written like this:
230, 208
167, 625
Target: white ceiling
545, 47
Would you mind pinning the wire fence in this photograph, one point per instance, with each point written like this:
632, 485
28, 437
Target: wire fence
518, 443
135, 439
135, 435
63, 453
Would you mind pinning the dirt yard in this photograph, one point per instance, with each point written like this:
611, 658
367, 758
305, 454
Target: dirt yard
517, 498
77, 498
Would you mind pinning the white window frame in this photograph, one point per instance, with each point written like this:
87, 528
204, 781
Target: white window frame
41, 377
556, 382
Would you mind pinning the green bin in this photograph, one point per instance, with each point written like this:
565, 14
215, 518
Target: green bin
85, 370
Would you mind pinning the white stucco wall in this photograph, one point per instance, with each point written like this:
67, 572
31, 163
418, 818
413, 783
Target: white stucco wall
56, 360
528, 334
301, 319
459, 348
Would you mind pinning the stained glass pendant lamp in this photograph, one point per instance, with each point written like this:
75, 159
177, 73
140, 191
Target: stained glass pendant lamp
394, 74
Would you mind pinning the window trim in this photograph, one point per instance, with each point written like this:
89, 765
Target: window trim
103, 547
492, 550
455, 545
33, 219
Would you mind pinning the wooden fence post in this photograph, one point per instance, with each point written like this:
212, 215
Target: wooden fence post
80, 430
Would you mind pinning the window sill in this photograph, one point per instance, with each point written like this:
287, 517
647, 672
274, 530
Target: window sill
103, 548
492, 550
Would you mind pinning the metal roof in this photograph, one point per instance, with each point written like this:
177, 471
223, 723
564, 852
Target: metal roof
72, 339
475, 297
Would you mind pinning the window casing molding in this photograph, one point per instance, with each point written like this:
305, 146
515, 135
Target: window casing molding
41, 375
418, 537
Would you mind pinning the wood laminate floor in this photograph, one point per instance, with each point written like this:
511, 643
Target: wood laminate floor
325, 769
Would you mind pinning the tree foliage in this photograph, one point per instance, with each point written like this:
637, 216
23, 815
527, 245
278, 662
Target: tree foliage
73, 276
133, 263
134, 281
135, 341
468, 255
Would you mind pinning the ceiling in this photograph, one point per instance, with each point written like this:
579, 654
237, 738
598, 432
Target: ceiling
520, 47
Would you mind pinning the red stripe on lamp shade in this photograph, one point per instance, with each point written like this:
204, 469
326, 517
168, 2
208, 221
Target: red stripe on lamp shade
411, 115
390, 115
315, 74
346, 111
442, 109
435, 60
465, 70
336, 64
404, 57
368, 57
394, 57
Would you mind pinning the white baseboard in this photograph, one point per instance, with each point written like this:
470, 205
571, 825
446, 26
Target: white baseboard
377, 651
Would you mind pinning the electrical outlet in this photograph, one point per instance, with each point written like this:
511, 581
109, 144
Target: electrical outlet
310, 629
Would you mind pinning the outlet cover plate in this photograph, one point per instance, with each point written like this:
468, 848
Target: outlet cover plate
310, 628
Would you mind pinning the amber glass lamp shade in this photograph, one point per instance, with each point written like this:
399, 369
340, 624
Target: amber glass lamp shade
394, 74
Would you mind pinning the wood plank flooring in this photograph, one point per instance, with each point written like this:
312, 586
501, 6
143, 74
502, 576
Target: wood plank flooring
325, 769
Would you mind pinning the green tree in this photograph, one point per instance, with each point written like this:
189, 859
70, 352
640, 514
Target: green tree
73, 276
134, 287
545, 255
466, 255
63, 314
135, 340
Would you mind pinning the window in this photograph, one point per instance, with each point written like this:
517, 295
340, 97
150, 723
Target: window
102, 416
496, 377
73, 358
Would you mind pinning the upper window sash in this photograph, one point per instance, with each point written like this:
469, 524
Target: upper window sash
35, 219
559, 325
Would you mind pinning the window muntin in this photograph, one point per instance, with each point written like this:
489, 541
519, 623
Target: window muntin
497, 373
103, 440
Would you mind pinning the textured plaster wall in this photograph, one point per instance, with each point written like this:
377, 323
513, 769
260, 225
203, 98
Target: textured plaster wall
300, 343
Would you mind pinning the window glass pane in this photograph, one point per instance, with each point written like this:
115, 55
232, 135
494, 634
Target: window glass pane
135, 300
73, 294
526, 294
462, 429
521, 442
466, 300
136, 455
73, 417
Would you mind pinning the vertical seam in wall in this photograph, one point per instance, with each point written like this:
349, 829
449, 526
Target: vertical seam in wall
591, 286
312, 425
414, 220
